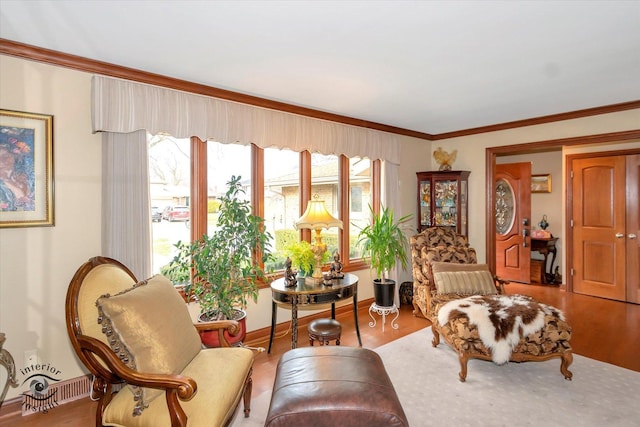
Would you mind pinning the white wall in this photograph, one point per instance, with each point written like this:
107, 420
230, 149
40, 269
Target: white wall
37, 263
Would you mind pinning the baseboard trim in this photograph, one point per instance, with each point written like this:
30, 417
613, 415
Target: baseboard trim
10, 408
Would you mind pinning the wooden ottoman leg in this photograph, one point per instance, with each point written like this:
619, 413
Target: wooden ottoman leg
463, 365
436, 337
567, 359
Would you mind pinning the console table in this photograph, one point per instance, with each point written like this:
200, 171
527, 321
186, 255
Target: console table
312, 292
545, 247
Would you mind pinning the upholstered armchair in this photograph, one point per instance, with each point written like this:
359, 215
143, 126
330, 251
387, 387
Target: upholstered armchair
138, 338
457, 251
449, 285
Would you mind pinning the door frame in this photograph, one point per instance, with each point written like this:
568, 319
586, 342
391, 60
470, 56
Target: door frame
531, 147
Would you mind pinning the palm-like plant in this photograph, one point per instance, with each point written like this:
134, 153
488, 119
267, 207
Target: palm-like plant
383, 243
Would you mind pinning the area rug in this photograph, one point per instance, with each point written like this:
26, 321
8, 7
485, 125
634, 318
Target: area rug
523, 394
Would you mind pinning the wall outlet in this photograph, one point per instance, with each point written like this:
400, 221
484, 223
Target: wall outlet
30, 358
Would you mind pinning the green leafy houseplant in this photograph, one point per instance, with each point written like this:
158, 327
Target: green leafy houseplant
225, 272
383, 244
302, 256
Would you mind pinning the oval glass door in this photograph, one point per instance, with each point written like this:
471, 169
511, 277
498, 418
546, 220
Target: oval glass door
505, 207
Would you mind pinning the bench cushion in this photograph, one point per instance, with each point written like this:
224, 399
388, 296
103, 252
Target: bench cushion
331, 386
220, 375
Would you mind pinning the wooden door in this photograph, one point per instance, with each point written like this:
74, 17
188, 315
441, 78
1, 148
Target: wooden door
513, 221
599, 243
633, 228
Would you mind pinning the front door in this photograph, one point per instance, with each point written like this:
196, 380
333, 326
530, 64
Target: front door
513, 221
599, 231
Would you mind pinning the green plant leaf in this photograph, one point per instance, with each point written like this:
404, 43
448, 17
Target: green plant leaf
225, 272
383, 242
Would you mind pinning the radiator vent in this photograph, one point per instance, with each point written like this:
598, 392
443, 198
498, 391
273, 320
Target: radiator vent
57, 394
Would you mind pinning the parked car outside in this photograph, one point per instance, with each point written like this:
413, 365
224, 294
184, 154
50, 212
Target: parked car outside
156, 214
176, 213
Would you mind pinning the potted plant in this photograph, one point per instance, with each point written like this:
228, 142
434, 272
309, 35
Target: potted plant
383, 244
302, 257
225, 273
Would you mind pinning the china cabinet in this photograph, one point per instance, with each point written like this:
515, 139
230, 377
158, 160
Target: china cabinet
443, 200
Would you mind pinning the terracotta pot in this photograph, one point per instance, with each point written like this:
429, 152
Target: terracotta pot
210, 338
384, 292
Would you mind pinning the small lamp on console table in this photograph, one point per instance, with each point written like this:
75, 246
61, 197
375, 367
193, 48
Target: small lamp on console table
316, 217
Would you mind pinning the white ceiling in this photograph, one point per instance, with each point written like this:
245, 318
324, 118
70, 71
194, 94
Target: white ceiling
427, 66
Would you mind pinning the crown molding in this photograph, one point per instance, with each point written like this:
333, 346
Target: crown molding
80, 63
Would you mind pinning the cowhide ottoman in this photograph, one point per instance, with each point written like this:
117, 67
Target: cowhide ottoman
333, 386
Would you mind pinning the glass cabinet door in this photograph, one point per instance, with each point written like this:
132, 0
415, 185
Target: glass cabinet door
463, 208
446, 202
425, 204
443, 200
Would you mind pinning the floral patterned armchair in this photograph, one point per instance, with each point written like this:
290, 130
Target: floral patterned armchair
455, 249
438, 254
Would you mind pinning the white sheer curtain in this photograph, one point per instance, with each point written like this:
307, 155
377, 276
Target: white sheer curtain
391, 199
126, 206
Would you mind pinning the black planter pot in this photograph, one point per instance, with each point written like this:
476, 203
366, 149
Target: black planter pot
384, 292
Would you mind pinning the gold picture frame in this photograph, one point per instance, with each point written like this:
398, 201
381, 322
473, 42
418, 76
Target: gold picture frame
26, 169
541, 183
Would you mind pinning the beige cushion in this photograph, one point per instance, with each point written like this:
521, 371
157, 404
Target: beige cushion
150, 329
220, 374
463, 279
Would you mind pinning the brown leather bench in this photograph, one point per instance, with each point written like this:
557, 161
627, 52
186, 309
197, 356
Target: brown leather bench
333, 386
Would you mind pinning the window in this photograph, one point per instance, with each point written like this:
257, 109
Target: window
224, 161
281, 201
277, 181
360, 192
170, 183
324, 184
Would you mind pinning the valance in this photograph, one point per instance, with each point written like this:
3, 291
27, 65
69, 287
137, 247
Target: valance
124, 106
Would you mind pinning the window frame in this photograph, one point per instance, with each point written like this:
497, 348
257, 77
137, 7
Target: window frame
199, 193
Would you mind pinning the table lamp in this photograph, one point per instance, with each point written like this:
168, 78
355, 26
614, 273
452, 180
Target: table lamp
316, 217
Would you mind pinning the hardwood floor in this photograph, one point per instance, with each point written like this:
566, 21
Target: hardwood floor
604, 330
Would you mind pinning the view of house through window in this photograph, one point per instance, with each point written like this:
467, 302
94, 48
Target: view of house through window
324, 185
281, 201
170, 189
223, 162
359, 201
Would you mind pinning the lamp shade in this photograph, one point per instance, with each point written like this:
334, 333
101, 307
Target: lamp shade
317, 216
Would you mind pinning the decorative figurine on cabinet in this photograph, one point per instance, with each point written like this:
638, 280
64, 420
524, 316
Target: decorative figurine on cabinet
444, 159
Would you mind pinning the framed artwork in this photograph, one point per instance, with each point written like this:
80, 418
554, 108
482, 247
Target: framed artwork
26, 169
541, 183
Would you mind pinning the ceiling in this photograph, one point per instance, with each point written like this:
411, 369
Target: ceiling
426, 66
